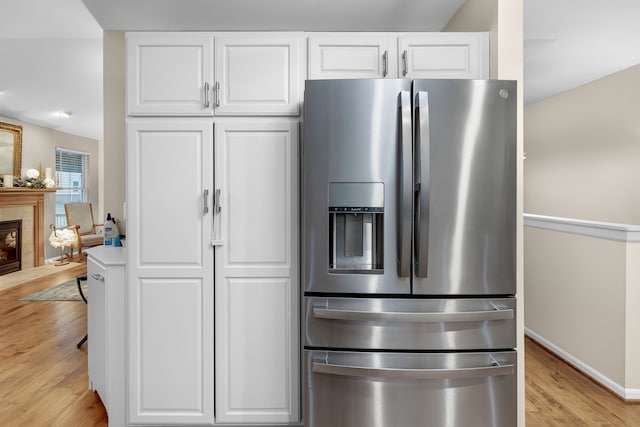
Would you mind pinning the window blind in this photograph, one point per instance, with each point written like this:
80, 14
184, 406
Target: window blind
72, 170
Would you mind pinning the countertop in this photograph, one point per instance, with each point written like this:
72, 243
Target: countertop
109, 255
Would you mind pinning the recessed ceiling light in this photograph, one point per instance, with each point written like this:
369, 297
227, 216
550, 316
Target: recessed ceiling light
64, 114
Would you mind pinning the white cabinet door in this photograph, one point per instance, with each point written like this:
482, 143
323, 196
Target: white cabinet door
352, 55
257, 335
97, 328
169, 74
170, 271
258, 73
444, 55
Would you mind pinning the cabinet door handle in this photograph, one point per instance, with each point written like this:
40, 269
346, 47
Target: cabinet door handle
205, 201
217, 239
405, 69
206, 94
98, 277
217, 203
385, 60
217, 88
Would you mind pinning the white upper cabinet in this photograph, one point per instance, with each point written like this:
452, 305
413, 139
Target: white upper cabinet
352, 55
398, 55
255, 74
169, 74
258, 74
444, 56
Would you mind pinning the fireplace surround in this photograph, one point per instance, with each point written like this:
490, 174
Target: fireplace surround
26, 205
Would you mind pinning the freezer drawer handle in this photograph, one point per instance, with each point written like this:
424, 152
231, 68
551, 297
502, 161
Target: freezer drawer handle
394, 316
413, 374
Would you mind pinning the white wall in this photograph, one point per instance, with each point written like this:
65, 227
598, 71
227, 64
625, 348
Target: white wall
114, 125
583, 151
38, 147
582, 294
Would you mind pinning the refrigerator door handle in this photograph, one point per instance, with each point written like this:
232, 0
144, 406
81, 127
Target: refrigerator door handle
493, 370
412, 317
422, 168
405, 207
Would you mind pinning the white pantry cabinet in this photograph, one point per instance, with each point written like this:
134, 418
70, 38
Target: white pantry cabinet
256, 257
398, 55
170, 271
173, 74
169, 74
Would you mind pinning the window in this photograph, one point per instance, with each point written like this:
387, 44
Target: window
72, 171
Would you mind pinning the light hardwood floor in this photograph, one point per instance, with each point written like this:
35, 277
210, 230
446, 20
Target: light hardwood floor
43, 376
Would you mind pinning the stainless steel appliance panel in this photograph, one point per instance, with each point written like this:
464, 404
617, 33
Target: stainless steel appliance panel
465, 174
351, 130
351, 142
410, 389
410, 324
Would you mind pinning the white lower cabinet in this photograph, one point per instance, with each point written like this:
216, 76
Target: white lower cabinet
257, 345
179, 219
106, 329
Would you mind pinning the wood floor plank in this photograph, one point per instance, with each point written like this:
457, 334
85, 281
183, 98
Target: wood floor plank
44, 382
43, 376
557, 394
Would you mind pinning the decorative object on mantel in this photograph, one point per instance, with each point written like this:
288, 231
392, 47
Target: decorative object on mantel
33, 180
60, 238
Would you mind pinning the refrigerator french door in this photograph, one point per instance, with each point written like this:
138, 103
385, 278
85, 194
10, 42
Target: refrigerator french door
408, 241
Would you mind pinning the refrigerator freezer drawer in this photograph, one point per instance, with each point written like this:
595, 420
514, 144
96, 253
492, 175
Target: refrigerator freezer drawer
410, 324
350, 389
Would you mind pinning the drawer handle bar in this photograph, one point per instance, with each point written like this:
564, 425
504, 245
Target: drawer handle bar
386, 316
98, 277
413, 374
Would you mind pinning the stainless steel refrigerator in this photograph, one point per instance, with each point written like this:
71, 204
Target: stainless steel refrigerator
409, 253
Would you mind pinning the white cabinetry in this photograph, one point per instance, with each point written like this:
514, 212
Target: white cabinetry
352, 55
257, 344
392, 55
444, 56
258, 73
173, 74
169, 74
106, 329
170, 271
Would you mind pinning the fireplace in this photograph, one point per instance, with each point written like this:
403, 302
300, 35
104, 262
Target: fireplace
26, 205
10, 246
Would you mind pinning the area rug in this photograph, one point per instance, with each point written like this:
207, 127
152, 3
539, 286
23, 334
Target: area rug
67, 291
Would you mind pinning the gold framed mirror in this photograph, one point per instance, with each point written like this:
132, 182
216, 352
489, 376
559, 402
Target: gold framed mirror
10, 149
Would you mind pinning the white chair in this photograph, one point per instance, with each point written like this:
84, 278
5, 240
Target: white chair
80, 217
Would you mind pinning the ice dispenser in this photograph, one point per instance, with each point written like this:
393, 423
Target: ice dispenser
356, 227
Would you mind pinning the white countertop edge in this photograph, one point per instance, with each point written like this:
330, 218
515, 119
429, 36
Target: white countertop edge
108, 255
602, 230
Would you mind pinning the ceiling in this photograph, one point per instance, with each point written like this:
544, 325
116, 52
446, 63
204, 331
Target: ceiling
51, 52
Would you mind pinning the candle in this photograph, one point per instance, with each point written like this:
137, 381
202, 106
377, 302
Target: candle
47, 173
7, 180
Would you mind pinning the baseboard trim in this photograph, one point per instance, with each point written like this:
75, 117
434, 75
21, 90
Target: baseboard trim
629, 395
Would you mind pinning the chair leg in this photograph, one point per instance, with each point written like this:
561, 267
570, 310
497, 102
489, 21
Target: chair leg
82, 341
78, 279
